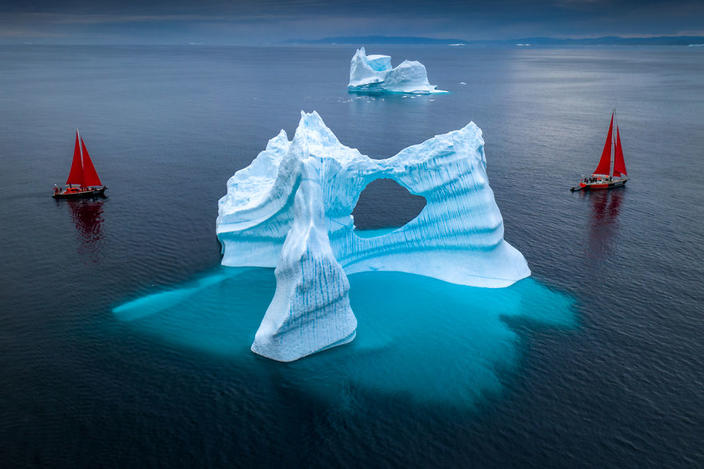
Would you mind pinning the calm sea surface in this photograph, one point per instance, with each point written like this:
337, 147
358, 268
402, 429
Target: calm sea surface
124, 344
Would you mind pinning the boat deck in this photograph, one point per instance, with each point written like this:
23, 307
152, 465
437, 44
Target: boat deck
75, 193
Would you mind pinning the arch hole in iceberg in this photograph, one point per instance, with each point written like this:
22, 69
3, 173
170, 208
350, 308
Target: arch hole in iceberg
384, 204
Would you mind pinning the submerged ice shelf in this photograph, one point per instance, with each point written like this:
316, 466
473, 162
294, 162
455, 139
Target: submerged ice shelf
291, 208
417, 337
374, 74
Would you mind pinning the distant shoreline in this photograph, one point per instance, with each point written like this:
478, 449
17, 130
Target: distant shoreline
693, 42
523, 42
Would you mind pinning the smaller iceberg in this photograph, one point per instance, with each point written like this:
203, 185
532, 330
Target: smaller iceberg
373, 74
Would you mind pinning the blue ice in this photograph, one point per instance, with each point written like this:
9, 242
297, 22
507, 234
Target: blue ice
429, 340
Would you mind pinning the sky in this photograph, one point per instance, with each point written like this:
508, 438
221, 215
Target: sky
274, 21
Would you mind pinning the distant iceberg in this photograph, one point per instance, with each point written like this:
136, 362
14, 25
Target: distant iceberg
291, 208
373, 74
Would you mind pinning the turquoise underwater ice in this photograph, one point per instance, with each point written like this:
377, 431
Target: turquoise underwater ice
423, 338
427, 301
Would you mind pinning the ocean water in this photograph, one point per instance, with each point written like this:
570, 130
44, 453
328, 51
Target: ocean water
125, 344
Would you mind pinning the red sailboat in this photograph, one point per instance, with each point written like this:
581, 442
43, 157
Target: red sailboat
82, 174
605, 176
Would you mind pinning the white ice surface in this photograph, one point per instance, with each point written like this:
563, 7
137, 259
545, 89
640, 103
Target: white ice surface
291, 208
374, 74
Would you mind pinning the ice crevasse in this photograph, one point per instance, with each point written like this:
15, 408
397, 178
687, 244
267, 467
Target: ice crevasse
373, 74
291, 209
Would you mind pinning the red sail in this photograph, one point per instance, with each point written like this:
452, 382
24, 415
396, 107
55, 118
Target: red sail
604, 166
619, 163
75, 176
90, 176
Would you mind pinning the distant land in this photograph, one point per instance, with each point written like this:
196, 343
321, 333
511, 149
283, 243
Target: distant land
525, 41
379, 40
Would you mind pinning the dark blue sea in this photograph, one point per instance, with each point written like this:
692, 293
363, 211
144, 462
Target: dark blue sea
123, 343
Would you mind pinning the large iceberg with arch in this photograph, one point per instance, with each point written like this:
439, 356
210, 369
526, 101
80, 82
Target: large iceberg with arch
291, 209
373, 74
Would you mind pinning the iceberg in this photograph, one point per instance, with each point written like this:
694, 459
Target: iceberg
291, 209
373, 74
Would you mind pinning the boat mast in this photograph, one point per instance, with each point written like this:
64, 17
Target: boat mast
619, 163
83, 167
604, 166
75, 175
81, 150
613, 143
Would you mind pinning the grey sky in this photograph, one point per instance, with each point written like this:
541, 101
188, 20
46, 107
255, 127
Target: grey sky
271, 21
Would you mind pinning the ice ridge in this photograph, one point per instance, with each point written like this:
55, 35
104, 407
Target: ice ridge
291, 209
